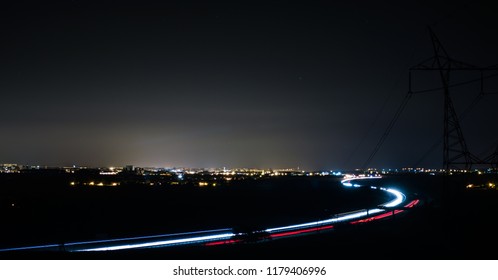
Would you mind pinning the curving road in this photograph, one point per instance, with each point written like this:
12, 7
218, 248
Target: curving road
227, 236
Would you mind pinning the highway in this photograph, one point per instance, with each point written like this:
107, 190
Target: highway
226, 236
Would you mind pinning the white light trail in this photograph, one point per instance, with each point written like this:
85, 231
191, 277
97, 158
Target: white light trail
163, 243
226, 234
225, 230
400, 197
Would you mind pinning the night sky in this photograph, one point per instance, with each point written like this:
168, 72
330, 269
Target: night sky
272, 84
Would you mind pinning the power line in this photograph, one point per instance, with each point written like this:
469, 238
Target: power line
377, 116
457, 84
375, 120
388, 129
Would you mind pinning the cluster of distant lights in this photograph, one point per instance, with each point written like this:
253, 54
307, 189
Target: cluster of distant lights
93, 183
226, 236
488, 185
113, 170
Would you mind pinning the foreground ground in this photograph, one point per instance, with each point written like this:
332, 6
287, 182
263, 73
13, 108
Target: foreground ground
459, 224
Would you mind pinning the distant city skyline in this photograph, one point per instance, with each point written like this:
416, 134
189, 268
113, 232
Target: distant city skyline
113, 170
211, 84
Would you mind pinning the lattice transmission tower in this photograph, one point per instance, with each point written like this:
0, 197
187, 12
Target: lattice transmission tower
456, 153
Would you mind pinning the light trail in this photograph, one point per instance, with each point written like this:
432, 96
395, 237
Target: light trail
289, 233
400, 197
149, 237
381, 216
413, 203
277, 232
226, 236
181, 241
354, 178
231, 241
51, 246
67, 246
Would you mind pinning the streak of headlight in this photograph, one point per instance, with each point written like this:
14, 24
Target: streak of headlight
400, 197
359, 214
360, 178
150, 236
163, 243
397, 201
311, 224
113, 240
31, 248
375, 211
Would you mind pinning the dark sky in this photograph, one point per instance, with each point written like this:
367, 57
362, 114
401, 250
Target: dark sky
272, 84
